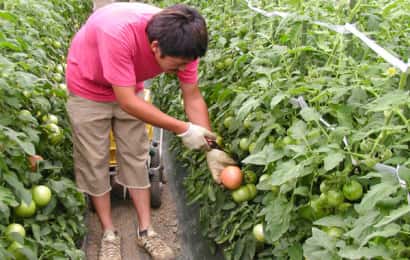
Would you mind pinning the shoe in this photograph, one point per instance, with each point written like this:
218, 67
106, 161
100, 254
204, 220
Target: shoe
154, 245
110, 248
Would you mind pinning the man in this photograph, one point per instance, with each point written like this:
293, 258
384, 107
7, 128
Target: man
120, 46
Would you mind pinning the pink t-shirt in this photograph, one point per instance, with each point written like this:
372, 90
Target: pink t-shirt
112, 48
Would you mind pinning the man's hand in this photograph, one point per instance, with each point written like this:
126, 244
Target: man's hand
196, 137
217, 160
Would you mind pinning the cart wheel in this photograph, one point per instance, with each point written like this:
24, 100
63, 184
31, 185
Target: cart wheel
155, 176
155, 194
155, 159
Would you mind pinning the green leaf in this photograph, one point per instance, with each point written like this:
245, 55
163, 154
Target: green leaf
15, 136
247, 107
7, 200
14, 182
267, 155
376, 193
277, 99
277, 216
320, 246
211, 193
333, 160
35, 228
288, 171
238, 249
295, 252
8, 16
364, 252
394, 215
310, 114
362, 226
387, 231
391, 100
298, 130
331, 221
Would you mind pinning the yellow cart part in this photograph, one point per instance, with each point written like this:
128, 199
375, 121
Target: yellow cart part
148, 127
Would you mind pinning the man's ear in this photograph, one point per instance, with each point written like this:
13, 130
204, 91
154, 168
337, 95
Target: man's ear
155, 47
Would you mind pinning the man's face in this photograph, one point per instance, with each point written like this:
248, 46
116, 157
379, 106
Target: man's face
167, 63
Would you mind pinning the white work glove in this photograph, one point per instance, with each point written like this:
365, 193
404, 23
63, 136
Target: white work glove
196, 137
217, 160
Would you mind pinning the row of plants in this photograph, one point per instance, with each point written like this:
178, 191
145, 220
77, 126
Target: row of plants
316, 196
41, 212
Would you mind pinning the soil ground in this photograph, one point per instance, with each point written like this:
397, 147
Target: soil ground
164, 221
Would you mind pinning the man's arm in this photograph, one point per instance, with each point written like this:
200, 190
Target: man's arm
147, 112
194, 105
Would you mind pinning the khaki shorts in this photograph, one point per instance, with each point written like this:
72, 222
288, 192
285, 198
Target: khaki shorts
91, 123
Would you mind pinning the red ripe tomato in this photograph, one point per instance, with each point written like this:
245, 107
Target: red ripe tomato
231, 177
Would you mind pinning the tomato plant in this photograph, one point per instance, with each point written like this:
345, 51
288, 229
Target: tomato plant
31, 110
303, 163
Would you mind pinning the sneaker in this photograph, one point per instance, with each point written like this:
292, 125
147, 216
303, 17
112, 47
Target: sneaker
154, 245
110, 246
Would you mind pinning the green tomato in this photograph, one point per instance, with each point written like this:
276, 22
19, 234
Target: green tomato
252, 190
228, 62
15, 250
56, 44
244, 144
386, 154
220, 65
247, 123
353, 190
228, 121
370, 162
60, 68
241, 194
24, 210
25, 115
343, 207
275, 189
57, 77
335, 232
365, 146
50, 118
62, 86
306, 212
334, 198
219, 140
250, 176
52, 128
252, 147
325, 186
258, 233
41, 195
14, 228
288, 140
55, 138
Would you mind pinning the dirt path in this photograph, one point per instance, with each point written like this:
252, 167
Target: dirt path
164, 221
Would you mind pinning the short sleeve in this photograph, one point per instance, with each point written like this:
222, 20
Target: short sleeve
116, 59
190, 74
